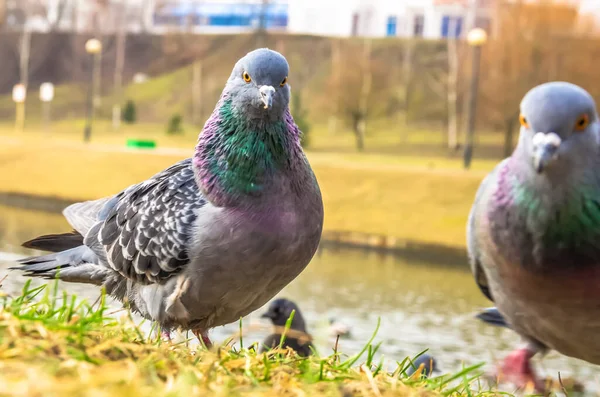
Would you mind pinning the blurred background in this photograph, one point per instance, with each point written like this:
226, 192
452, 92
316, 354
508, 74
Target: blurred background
405, 106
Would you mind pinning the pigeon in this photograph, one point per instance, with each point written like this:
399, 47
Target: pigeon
337, 328
533, 234
215, 236
425, 364
296, 337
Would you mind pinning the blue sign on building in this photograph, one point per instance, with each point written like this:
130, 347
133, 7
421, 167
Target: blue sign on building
457, 23
223, 14
392, 24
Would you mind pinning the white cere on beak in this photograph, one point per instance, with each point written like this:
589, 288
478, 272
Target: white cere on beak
550, 139
266, 95
545, 150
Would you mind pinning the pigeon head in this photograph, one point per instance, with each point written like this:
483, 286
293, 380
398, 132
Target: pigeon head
559, 127
280, 310
258, 85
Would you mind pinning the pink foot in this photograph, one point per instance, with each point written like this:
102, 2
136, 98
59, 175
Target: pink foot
517, 369
166, 335
203, 337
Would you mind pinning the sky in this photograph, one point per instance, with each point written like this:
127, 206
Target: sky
590, 5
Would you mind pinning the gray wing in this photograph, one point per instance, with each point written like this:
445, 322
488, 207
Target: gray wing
83, 216
472, 244
145, 230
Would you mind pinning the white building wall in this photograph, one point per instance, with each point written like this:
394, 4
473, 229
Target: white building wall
321, 17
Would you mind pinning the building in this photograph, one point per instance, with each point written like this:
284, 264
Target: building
431, 19
219, 16
374, 18
389, 18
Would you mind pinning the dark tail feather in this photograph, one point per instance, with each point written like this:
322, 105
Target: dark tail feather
55, 242
492, 316
76, 264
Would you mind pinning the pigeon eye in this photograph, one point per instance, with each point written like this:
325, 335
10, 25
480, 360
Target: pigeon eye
246, 77
284, 82
582, 122
523, 121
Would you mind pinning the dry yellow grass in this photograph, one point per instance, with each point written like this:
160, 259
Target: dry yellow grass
57, 345
425, 199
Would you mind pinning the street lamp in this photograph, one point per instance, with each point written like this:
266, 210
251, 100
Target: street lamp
46, 96
94, 48
476, 38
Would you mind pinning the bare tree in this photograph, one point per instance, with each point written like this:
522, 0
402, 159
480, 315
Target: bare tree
119, 65
363, 90
525, 54
336, 65
452, 84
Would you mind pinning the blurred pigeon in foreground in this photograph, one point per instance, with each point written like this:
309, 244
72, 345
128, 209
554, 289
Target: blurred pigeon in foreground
213, 237
425, 364
296, 338
534, 231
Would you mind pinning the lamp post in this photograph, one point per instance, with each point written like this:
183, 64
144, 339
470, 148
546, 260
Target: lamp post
46, 96
19, 94
94, 48
476, 38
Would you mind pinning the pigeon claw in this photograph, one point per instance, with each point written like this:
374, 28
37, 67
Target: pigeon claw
203, 338
517, 369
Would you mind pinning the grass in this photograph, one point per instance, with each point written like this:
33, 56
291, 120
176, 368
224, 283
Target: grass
409, 197
53, 344
406, 197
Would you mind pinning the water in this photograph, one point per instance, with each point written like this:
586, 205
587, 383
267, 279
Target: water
421, 305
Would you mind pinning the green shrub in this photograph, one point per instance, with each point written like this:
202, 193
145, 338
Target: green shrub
129, 112
175, 125
300, 117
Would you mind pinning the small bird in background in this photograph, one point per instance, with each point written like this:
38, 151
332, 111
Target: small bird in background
213, 237
424, 365
533, 233
337, 328
296, 338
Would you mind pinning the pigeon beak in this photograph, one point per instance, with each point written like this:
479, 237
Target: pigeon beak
269, 314
545, 150
266, 95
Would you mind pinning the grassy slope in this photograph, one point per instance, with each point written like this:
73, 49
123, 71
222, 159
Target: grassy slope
426, 199
55, 345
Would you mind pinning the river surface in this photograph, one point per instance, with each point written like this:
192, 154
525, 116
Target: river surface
421, 305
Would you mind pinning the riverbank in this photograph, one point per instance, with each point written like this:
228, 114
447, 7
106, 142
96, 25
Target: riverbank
56, 345
423, 200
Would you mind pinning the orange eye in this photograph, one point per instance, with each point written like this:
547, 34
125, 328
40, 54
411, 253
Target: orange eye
523, 121
284, 82
582, 122
246, 77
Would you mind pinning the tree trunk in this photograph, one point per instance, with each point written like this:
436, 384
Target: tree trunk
197, 92
452, 87
119, 65
336, 61
359, 126
365, 91
408, 67
24, 52
508, 135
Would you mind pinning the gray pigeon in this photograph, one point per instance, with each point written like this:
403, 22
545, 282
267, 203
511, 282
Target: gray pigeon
297, 337
426, 362
215, 236
534, 231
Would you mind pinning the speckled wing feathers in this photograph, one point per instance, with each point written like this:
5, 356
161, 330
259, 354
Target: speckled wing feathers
146, 233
